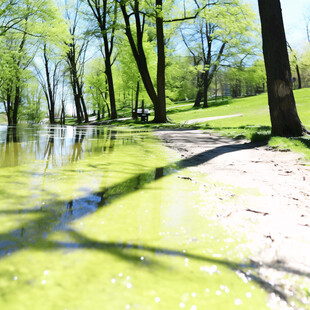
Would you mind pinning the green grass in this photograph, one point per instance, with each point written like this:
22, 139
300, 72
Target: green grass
299, 145
254, 111
254, 122
3, 119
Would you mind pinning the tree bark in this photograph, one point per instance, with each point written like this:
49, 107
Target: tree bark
198, 98
298, 77
50, 94
82, 101
282, 107
110, 85
16, 105
205, 89
8, 108
160, 111
135, 114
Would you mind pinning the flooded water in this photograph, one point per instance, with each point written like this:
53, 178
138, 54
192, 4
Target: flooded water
103, 218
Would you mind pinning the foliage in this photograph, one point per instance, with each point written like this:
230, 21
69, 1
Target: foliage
32, 108
96, 86
181, 77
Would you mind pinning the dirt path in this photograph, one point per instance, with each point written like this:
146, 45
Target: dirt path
272, 208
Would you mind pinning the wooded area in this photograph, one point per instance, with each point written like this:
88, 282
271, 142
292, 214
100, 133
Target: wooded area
86, 57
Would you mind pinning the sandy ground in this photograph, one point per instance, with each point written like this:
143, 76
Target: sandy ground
272, 206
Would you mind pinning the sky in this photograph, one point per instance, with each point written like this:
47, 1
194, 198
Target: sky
294, 12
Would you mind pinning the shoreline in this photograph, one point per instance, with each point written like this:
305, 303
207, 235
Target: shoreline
272, 206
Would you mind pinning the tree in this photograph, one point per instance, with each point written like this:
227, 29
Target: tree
16, 61
128, 77
135, 38
31, 110
282, 107
304, 63
49, 80
246, 80
222, 30
180, 78
75, 57
96, 87
12, 14
105, 14
295, 63
23, 22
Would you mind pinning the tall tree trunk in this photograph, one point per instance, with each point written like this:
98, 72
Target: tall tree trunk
49, 87
198, 98
205, 88
108, 68
160, 110
63, 112
8, 108
76, 99
135, 114
82, 102
282, 107
298, 77
16, 105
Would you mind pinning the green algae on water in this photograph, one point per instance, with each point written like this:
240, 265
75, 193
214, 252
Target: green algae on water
101, 219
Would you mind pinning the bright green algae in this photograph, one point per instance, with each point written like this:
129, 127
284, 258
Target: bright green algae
102, 219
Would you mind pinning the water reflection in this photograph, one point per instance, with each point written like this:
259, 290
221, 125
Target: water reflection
57, 146
31, 150
116, 182
57, 215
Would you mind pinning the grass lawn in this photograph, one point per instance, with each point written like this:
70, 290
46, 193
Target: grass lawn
3, 119
254, 124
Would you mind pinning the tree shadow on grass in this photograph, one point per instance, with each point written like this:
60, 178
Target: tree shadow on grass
304, 140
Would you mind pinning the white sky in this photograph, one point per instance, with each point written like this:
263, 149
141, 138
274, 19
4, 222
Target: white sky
294, 12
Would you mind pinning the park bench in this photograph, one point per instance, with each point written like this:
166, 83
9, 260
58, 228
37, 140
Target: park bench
143, 114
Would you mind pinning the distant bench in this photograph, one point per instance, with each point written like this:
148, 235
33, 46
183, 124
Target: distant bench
143, 114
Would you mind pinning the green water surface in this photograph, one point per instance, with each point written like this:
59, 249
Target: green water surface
99, 218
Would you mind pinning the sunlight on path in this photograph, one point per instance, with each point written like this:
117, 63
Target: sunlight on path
206, 119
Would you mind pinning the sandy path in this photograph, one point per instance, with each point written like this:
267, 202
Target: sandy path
276, 219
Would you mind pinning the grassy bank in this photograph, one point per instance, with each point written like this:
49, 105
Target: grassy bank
253, 122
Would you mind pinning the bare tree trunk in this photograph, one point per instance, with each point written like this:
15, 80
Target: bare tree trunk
76, 101
110, 86
198, 98
282, 107
49, 87
160, 110
8, 108
135, 114
205, 89
81, 99
298, 77
16, 105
